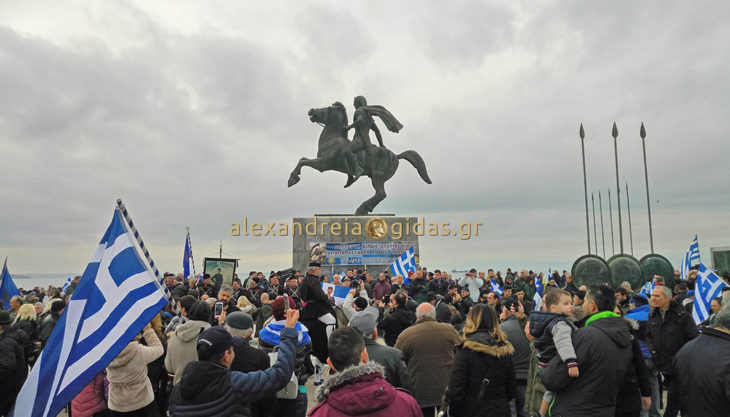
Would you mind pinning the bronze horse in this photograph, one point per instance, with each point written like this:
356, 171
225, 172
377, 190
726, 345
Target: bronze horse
378, 162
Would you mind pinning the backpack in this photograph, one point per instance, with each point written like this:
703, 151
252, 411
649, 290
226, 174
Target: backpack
291, 389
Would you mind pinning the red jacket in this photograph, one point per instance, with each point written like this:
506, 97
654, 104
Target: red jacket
362, 390
91, 399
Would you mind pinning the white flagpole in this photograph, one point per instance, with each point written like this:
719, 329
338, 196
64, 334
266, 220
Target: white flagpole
133, 229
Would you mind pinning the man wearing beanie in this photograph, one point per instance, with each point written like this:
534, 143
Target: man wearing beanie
248, 358
390, 358
209, 388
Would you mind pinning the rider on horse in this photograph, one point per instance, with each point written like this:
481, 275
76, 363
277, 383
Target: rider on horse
363, 122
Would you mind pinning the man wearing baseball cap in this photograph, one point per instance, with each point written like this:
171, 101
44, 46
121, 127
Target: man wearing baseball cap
209, 388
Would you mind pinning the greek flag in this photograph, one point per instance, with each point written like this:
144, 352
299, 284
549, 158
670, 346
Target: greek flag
65, 285
497, 288
187, 257
537, 298
708, 287
404, 264
117, 296
693, 254
338, 291
647, 288
8, 289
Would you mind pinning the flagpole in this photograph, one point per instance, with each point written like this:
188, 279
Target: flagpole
585, 186
190, 245
133, 229
642, 133
628, 206
595, 235
603, 237
614, 133
610, 214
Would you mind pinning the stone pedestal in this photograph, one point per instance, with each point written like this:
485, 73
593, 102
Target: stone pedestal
340, 242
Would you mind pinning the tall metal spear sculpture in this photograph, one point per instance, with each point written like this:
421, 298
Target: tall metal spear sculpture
610, 215
595, 235
628, 206
614, 133
585, 186
603, 237
642, 133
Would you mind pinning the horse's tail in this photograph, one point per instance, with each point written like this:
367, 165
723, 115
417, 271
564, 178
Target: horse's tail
415, 159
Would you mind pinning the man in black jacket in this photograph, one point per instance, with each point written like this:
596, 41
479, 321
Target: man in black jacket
669, 328
604, 351
704, 366
396, 372
13, 369
318, 316
209, 388
398, 319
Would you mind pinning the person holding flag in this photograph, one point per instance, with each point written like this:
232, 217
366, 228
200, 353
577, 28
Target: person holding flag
119, 293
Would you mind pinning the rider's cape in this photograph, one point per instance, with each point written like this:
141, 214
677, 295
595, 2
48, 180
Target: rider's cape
390, 121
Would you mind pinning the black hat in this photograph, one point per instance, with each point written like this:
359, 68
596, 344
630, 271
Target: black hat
57, 305
315, 263
361, 303
581, 294
5, 317
213, 342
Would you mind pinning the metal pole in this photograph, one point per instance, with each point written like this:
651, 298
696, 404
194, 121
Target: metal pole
614, 133
585, 186
610, 214
123, 210
628, 206
603, 237
642, 133
595, 235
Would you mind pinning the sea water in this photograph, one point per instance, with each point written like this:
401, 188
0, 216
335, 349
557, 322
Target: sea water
30, 281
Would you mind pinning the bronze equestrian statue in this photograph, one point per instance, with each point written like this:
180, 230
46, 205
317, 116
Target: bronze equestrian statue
335, 152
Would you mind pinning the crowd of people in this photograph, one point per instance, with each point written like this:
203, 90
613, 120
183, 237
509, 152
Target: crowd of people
479, 345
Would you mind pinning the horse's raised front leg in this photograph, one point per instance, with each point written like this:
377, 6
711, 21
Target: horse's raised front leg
369, 205
316, 163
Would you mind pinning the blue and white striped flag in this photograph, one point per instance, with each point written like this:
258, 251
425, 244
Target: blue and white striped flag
693, 254
404, 264
339, 292
497, 288
707, 288
65, 285
647, 288
537, 298
117, 296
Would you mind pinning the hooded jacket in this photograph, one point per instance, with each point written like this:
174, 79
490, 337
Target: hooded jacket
13, 369
480, 358
604, 351
129, 387
182, 347
704, 366
363, 391
209, 389
391, 359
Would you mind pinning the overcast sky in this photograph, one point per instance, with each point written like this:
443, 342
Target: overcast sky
194, 113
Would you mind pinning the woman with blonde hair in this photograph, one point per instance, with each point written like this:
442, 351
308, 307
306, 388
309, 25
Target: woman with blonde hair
245, 305
27, 321
482, 381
